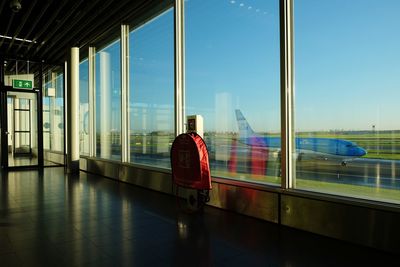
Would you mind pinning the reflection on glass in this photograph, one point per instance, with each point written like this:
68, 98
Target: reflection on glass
58, 144
22, 143
24, 122
53, 111
232, 80
347, 127
108, 102
152, 91
46, 113
84, 107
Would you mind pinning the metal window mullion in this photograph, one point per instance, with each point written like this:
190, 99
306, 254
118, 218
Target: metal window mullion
66, 115
92, 101
287, 94
179, 67
30, 125
125, 93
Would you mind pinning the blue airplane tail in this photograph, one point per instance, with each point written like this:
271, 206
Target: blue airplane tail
245, 130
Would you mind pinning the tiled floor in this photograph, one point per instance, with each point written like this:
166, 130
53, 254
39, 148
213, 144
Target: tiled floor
27, 161
51, 219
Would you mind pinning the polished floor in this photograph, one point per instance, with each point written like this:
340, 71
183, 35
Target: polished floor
21, 161
27, 161
52, 219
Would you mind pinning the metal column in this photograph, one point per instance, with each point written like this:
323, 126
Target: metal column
73, 111
287, 94
179, 66
92, 101
40, 118
65, 111
3, 119
125, 93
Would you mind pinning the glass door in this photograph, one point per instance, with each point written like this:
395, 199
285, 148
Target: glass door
21, 140
23, 129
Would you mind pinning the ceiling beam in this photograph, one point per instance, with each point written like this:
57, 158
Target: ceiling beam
100, 15
1, 6
60, 24
50, 21
21, 25
10, 22
35, 23
78, 19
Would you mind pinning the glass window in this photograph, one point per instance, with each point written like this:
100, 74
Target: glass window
46, 113
347, 94
84, 107
58, 144
53, 111
152, 91
108, 102
233, 81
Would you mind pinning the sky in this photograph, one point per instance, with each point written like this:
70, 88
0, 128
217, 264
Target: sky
347, 71
347, 64
232, 56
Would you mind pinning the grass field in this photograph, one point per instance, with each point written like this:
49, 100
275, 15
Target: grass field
368, 192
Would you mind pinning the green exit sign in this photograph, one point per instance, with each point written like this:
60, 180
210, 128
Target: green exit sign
22, 84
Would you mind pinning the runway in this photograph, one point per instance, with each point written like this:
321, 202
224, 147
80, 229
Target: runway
364, 172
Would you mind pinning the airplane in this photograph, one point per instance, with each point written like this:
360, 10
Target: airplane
306, 148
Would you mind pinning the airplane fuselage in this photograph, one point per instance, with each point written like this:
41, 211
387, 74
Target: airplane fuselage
332, 146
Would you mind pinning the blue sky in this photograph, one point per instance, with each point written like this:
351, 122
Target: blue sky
346, 57
347, 64
347, 69
232, 52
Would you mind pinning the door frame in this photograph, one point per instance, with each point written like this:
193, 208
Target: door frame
4, 127
20, 110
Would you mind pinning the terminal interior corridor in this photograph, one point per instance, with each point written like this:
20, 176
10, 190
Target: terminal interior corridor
52, 219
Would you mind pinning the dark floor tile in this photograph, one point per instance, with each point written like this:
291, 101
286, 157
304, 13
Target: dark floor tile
25, 244
96, 231
84, 257
107, 240
99, 262
6, 249
9, 260
39, 256
60, 236
80, 252
135, 259
4, 240
70, 247
18, 234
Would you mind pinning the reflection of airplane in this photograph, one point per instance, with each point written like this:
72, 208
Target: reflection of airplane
306, 148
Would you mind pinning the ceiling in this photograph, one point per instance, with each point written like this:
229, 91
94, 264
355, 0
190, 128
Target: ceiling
53, 26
